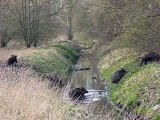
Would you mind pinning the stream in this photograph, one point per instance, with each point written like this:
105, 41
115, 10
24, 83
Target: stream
97, 95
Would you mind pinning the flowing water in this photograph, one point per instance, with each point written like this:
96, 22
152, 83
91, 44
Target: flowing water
97, 95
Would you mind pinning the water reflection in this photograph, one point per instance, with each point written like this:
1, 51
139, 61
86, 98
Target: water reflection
96, 100
97, 95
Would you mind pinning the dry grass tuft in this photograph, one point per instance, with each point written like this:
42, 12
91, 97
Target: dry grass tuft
5, 53
23, 96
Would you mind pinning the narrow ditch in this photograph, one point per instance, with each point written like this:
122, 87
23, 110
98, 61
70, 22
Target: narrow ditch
98, 97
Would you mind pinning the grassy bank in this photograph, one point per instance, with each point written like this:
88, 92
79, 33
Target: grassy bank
57, 59
139, 90
23, 96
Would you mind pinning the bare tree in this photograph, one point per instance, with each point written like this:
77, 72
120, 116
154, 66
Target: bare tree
70, 14
7, 28
36, 18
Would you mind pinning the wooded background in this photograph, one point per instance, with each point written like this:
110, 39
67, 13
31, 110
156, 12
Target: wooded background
122, 23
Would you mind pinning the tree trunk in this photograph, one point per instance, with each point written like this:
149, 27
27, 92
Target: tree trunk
70, 30
4, 39
35, 44
70, 17
3, 44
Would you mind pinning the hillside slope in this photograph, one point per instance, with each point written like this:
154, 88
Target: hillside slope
139, 90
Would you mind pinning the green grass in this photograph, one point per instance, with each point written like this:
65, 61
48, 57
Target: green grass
135, 86
68, 52
126, 63
157, 117
58, 59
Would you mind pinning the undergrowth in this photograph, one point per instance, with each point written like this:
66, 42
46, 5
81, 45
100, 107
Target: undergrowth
23, 96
